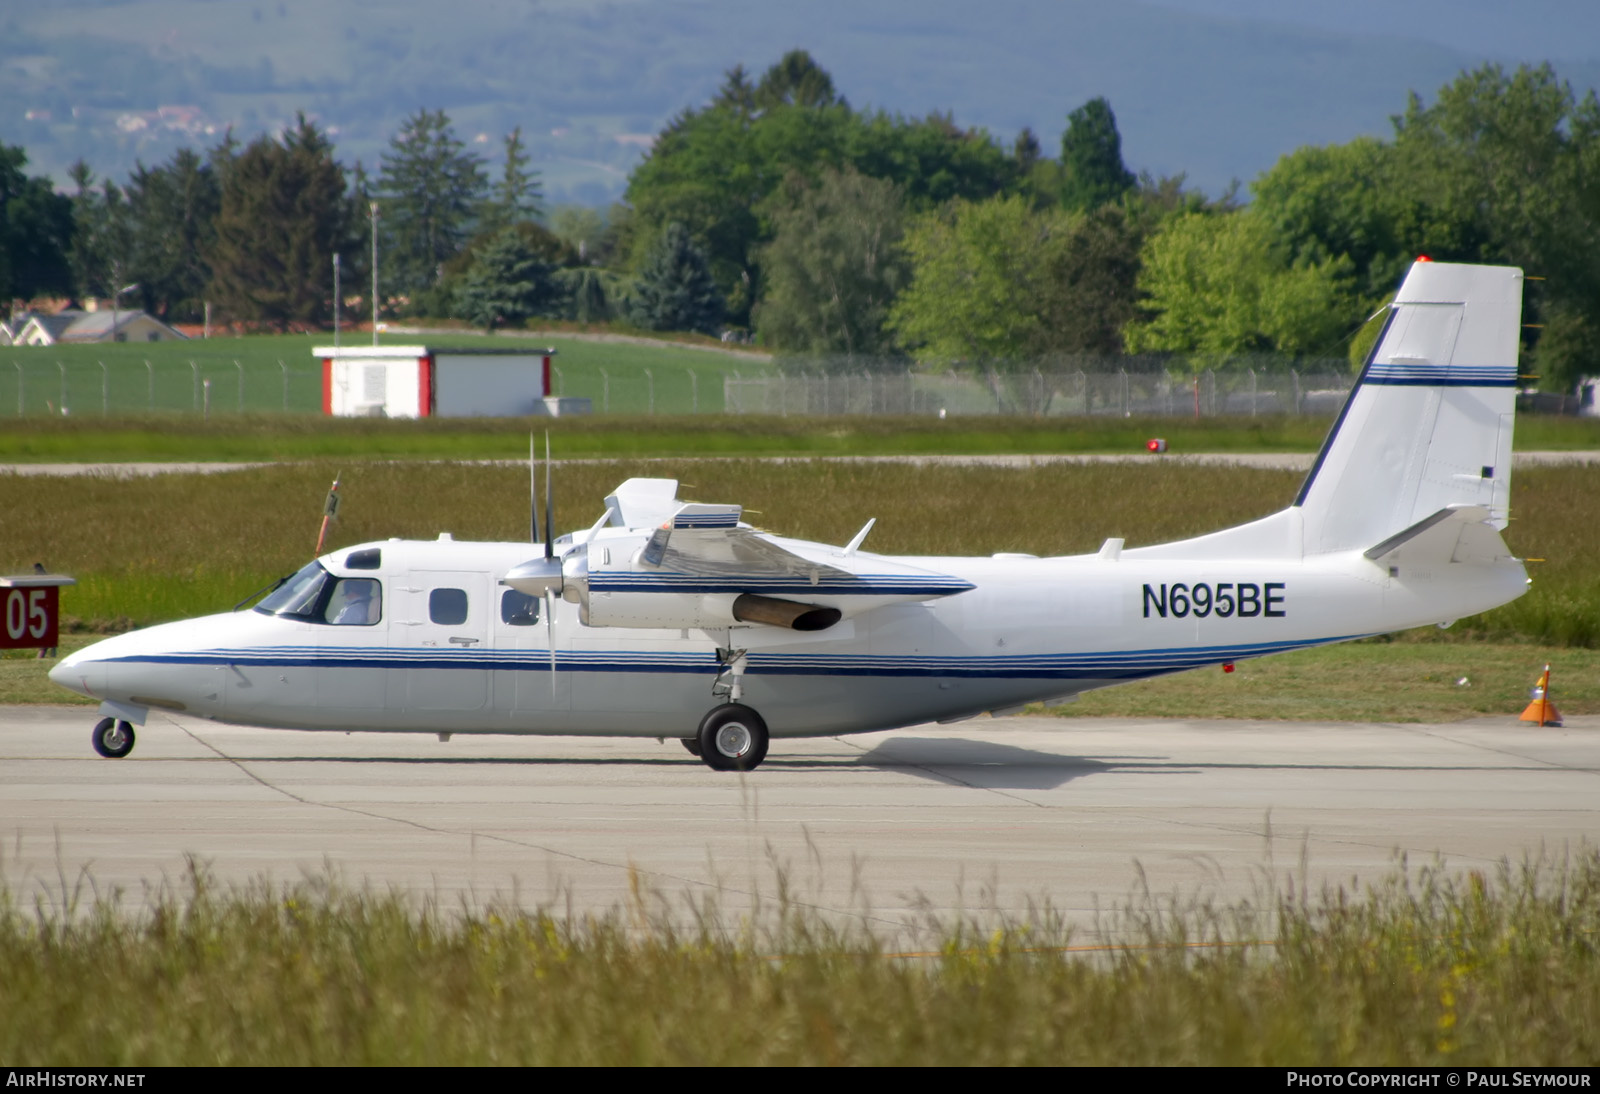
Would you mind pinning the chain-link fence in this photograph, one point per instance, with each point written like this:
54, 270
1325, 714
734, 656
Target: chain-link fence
34, 384
199, 385
1122, 392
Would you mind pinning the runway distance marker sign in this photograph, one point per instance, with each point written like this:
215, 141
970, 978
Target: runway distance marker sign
30, 611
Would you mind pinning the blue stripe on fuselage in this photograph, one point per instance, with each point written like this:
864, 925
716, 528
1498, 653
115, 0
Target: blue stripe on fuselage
1126, 664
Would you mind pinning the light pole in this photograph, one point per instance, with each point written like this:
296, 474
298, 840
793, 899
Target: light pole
374, 207
336, 300
116, 297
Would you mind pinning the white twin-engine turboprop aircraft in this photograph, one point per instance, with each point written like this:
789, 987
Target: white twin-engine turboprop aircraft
669, 618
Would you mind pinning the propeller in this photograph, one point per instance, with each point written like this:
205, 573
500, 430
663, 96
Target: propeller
549, 554
549, 503
545, 577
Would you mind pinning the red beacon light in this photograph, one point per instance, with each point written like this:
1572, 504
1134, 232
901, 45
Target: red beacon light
1156, 444
1424, 258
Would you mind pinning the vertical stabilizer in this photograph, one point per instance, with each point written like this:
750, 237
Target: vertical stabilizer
1428, 424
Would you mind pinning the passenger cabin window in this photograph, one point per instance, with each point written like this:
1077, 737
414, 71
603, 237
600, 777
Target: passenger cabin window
356, 602
518, 609
447, 607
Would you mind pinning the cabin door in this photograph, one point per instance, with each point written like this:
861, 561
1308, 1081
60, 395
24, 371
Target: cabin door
440, 632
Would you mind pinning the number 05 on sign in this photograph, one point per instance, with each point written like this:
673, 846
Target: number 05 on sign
31, 617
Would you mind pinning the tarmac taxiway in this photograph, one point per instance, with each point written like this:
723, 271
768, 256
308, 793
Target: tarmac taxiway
983, 816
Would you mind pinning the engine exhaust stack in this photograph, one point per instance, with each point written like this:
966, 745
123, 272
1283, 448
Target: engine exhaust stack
750, 608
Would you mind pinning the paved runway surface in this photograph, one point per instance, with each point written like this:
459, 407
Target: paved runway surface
981, 815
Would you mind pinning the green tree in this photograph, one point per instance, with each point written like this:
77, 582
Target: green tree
675, 289
429, 191
1507, 169
1003, 283
508, 281
1091, 158
518, 195
35, 232
172, 211
1323, 202
978, 276
592, 295
1501, 168
795, 80
284, 211
100, 232
1089, 290
834, 266
1216, 286
737, 94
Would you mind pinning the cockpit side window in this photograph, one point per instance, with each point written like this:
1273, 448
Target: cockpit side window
356, 601
316, 596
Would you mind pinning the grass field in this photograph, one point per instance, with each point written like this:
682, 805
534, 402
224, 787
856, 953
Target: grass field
277, 373
299, 437
1425, 968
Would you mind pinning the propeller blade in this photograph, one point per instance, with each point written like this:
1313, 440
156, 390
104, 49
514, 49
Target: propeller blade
550, 634
549, 505
533, 493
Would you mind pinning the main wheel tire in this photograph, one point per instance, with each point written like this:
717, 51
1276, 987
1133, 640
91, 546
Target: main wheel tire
733, 738
112, 739
691, 744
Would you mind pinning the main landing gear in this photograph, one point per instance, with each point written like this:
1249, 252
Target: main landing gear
732, 738
112, 739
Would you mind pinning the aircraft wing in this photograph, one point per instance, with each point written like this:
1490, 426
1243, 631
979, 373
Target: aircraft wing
698, 565
704, 549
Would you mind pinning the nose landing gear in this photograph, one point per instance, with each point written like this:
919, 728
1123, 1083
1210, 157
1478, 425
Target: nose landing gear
112, 739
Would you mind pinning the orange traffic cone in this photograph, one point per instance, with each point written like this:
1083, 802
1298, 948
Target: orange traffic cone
1542, 711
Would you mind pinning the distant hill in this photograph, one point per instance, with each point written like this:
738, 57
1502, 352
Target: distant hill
1215, 88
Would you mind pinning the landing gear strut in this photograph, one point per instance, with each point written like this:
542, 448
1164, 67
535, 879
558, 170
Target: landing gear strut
732, 738
112, 739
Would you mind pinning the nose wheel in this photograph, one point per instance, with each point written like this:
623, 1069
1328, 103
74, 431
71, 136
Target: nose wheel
732, 738
112, 739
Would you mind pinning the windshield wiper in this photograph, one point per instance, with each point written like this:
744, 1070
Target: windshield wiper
263, 591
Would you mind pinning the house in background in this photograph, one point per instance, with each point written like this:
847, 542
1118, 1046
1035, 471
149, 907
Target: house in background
73, 327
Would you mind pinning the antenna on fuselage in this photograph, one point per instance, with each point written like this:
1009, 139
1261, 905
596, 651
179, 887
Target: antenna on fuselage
330, 512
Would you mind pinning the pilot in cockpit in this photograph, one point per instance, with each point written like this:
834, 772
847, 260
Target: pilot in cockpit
354, 602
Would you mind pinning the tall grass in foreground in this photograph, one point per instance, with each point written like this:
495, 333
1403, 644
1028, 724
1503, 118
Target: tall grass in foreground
1426, 967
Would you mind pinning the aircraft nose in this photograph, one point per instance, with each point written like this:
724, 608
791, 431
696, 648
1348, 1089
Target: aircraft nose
80, 674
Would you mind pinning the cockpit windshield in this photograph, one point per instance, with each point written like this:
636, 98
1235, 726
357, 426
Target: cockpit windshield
299, 595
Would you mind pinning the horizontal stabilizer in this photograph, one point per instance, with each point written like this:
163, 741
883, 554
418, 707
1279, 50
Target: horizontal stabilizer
1457, 533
